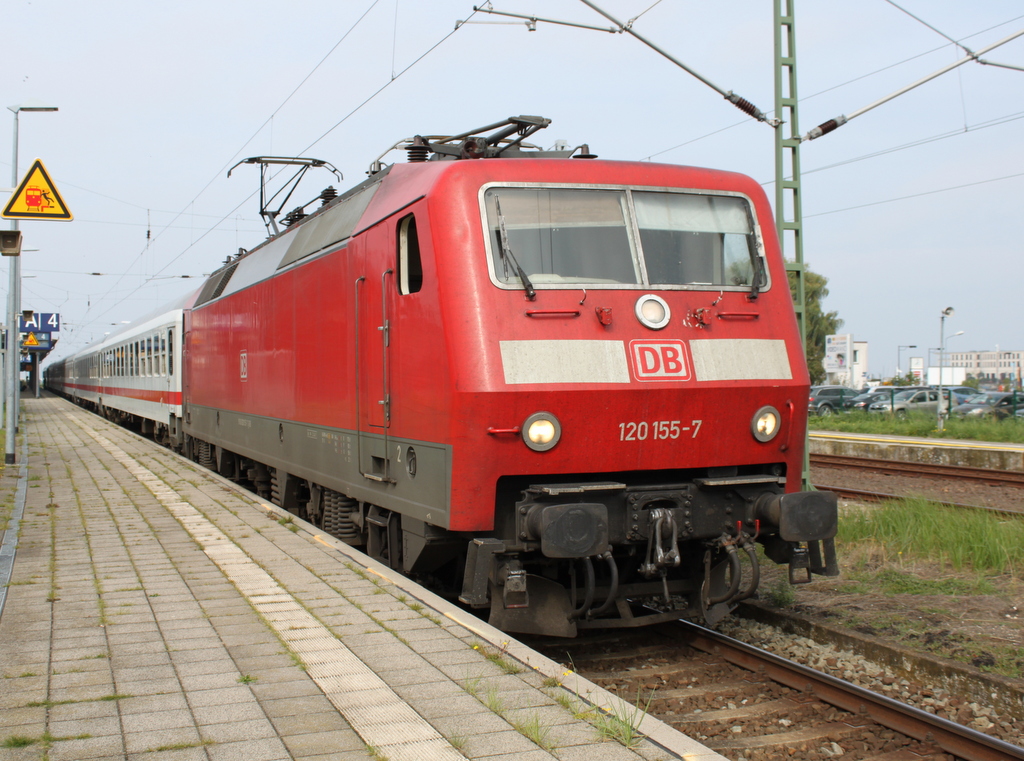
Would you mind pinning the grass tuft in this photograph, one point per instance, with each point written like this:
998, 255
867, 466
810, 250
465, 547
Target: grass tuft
916, 528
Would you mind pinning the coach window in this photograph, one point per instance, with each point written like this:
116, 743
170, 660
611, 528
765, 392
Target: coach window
170, 351
410, 267
163, 355
149, 356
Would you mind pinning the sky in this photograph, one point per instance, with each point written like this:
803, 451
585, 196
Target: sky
910, 208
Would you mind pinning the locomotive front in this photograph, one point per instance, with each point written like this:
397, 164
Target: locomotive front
630, 391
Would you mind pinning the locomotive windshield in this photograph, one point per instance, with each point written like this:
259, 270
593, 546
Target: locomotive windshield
566, 236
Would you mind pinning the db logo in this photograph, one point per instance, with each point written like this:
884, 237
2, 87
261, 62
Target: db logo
243, 365
660, 360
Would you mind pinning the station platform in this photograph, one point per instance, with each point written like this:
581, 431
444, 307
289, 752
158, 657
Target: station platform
152, 610
964, 452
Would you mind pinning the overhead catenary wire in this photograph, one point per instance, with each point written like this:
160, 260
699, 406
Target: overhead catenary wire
150, 240
806, 98
955, 42
916, 195
832, 124
229, 214
742, 104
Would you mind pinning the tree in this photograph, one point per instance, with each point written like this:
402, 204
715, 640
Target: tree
818, 324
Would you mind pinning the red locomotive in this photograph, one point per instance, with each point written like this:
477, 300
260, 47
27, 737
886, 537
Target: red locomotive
553, 386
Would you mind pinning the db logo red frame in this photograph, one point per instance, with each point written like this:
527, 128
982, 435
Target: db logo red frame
659, 360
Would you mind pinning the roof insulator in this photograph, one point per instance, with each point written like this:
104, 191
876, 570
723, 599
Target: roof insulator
294, 216
328, 195
418, 151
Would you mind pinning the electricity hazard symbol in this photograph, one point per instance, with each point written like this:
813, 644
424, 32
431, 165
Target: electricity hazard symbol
36, 198
30, 340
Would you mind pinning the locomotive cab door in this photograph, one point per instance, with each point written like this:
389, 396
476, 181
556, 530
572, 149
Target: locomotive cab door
373, 289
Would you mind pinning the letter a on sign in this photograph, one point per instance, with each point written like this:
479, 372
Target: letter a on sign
36, 198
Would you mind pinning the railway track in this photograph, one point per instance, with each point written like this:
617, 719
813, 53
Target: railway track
981, 475
748, 704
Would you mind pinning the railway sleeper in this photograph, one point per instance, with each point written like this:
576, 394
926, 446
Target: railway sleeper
806, 739
784, 707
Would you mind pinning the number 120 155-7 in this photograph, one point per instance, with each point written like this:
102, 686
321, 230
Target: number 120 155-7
657, 429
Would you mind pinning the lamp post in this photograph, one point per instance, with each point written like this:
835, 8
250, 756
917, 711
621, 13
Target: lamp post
898, 350
13, 368
948, 311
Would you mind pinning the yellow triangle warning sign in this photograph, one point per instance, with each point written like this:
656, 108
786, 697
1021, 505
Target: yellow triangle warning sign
36, 198
30, 340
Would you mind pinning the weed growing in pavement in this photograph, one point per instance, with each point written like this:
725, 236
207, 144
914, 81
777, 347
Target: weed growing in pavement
493, 701
458, 742
18, 741
534, 730
498, 658
622, 722
246, 679
471, 684
181, 746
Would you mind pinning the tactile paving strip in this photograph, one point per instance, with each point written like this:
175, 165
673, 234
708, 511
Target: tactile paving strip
380, 717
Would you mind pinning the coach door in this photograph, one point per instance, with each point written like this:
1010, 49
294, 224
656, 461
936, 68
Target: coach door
373, 288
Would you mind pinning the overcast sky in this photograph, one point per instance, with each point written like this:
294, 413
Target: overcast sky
908, 209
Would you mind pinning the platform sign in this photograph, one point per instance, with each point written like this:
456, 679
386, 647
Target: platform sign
32, 341
45, 322
36, 198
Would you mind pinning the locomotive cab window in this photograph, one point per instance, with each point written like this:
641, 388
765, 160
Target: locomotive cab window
695, 239
410, 267
613, 237
560, 236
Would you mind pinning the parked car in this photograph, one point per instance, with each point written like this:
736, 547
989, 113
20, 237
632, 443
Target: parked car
961, 393
998, 405
824, 400
912, 400
861, 402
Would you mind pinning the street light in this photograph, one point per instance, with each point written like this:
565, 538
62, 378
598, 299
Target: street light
898, 350
948, 311
12, 371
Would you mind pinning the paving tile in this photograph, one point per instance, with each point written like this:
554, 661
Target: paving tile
110, 725
297, 706
150, 703
325, 721
335, 741
237, 731
229, 712
285, 689
140, 742
499, 741
270, 749
93, 747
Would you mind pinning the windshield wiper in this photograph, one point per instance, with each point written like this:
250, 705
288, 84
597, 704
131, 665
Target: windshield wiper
507, 255
759, 279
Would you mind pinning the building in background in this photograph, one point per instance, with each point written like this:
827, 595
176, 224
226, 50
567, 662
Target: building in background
1001, 367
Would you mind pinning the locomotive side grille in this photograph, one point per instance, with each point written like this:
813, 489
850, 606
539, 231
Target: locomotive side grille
215, 285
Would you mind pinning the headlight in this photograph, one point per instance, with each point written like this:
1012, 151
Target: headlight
541, 431
652, 311
765, 423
